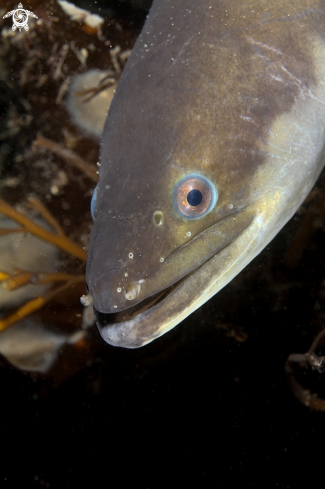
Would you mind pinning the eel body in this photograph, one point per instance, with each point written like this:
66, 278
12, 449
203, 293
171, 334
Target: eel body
213, 139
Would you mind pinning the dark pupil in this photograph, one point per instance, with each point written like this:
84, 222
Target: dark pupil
194, 197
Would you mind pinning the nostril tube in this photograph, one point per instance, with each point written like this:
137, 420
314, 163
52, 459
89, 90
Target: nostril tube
132, 291
86, 300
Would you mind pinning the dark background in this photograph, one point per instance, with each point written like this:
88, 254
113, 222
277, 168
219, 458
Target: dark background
207, 404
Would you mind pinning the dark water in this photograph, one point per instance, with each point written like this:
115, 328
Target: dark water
209, 401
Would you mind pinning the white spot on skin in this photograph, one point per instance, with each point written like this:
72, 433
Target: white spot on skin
119, 289
188, 233
162, 259
246, 118
126, 274
130, 255
230, 206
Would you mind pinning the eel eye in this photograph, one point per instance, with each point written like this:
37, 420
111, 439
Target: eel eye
194, 196
93, 204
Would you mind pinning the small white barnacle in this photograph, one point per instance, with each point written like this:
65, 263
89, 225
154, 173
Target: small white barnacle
115, 307
188, 233
161, 259
126, 274
141, 281
130, 255
230, 206
119, 289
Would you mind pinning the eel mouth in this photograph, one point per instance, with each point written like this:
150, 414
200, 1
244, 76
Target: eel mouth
155, 315
111, 320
